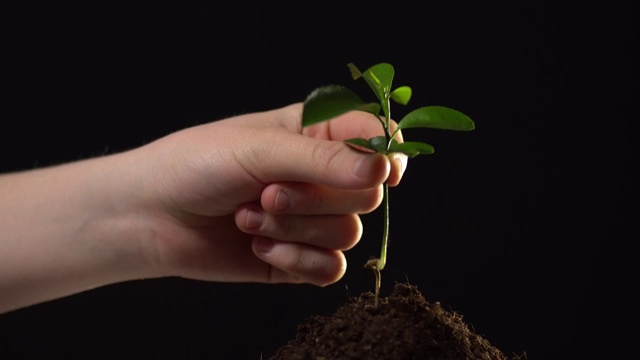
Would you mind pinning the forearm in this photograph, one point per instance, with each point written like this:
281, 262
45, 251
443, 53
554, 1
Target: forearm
64, 230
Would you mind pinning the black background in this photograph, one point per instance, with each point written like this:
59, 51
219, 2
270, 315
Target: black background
526, 226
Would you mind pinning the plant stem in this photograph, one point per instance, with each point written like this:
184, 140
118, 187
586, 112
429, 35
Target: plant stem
385, 228
376, 265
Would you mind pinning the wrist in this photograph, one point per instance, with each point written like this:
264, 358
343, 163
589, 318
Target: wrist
74, 227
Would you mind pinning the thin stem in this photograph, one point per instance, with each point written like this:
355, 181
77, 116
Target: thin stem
376, 265
385, 229
378, 280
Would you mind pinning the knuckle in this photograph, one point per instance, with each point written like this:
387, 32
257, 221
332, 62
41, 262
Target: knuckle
327, 154
373, 199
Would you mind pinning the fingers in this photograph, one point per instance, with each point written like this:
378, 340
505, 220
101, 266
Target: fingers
398, 163
353, 124
336, 232
329, 163
279, 154
321, 156
398, 160
307, 213
299, 263
300, 248
306, 199
363, 125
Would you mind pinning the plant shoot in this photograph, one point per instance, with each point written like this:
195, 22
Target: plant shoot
327, 102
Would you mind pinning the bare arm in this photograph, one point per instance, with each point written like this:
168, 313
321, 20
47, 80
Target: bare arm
247, 199
65, 230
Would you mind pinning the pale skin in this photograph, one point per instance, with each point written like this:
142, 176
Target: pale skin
251, 198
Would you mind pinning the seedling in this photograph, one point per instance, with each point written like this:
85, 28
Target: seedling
329, 101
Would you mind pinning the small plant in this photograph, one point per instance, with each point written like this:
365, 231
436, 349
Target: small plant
329, 101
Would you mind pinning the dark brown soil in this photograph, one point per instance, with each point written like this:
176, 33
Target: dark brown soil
402, 326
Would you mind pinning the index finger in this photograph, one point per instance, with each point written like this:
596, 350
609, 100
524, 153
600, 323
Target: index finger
360, 124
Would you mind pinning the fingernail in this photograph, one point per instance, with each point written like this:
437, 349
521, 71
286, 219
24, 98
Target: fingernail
362, 168
283, 201
263, 245
254, 219
401, 161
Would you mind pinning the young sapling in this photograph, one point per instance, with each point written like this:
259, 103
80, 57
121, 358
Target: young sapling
329, 101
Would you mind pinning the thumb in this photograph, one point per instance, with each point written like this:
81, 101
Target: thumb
326, 162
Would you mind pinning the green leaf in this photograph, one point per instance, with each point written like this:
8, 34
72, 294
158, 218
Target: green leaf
437, 117
412, 148
355, 72
329, 101
401, 95
380, 78
373, 108
360, 142
377, 143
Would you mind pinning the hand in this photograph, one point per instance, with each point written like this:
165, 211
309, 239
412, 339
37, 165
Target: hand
258, 198
252, 198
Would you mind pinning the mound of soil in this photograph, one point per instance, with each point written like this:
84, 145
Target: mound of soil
401, 326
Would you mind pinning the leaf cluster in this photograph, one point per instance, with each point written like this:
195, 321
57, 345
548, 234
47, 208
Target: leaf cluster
329, 101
